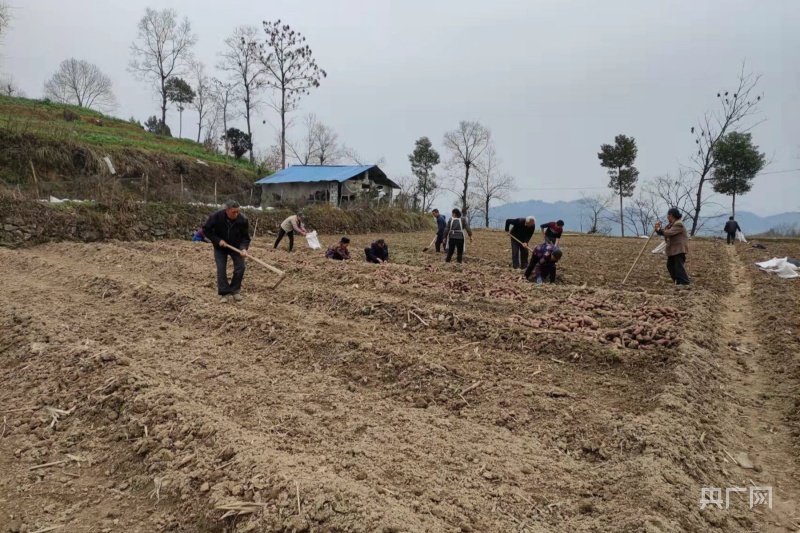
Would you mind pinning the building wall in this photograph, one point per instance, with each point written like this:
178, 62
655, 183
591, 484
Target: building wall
316, 192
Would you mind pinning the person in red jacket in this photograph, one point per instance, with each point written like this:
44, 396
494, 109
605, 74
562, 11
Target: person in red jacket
552, 232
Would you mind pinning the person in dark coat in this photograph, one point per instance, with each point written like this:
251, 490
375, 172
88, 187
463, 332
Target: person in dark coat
677, 247
543, 263
455, 229
552, 231
377, 252
229, 227
522, 229
441, 223
731, 227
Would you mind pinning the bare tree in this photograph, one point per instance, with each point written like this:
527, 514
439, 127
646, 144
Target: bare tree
490, 184
202, 102
304, 149
594, 211
9, 87
408, 184
223, 95
329, 152
679, 192
640, 215
163, 48
734, 107
290, 69
80, 83
242, 60
5, 18
466, 145
350, 155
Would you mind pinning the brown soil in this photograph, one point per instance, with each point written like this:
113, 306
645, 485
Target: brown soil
417, 396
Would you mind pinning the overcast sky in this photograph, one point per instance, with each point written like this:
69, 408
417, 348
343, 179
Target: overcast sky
553, 79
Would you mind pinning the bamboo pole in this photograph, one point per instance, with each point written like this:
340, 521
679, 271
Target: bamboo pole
637, 257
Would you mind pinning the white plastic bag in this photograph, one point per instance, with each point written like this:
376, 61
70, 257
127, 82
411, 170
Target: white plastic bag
740, 236
660, 248
313, 241
780, 266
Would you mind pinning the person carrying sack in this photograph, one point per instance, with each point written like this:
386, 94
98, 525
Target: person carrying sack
290, 226
455, 236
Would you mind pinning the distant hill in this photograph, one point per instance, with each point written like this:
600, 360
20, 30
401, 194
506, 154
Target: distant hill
570, 213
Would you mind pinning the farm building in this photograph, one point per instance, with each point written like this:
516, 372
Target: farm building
327, 184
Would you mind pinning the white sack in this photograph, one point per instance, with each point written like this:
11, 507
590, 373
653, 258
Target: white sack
313, 241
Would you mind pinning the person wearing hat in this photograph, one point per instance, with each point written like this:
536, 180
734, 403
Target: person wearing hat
377, 252
339, 251
543, 263
290, 226
677, 247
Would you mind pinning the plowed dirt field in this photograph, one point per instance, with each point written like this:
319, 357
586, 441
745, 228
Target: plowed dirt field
416, 396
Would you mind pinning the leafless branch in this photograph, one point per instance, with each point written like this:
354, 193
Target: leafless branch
465, 145
162, 49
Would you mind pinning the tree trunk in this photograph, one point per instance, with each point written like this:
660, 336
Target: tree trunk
283, 128
621, 213
697, 205
225, 126
180, 122
199, 124
247, 117
466, 187
486, 212
733, 204
163, 126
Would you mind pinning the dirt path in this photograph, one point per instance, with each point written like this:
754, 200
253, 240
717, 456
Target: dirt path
758, 408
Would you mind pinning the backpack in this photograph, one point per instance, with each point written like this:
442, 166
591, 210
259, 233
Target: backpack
457, 234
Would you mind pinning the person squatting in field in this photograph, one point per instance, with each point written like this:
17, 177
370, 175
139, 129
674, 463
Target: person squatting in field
377, 252
522, 229
543, 263
339, 251
455, 235
228, 227
677, 247
290, 226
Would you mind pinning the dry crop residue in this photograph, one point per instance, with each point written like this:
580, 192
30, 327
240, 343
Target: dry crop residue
415, 396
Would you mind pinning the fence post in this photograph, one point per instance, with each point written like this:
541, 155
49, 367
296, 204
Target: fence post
35, 179
215, 192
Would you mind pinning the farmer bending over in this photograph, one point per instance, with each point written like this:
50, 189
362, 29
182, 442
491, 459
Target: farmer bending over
228, 227
377, 252
543, 263
290, 226
522, 229
552, 232
339, 251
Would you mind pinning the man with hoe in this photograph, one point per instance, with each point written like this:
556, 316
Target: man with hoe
441, 222
290, 226
228, 228
522, 229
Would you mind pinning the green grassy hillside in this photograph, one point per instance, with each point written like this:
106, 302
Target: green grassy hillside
68, 156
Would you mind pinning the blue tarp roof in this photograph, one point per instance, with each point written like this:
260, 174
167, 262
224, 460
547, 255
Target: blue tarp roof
315, 173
